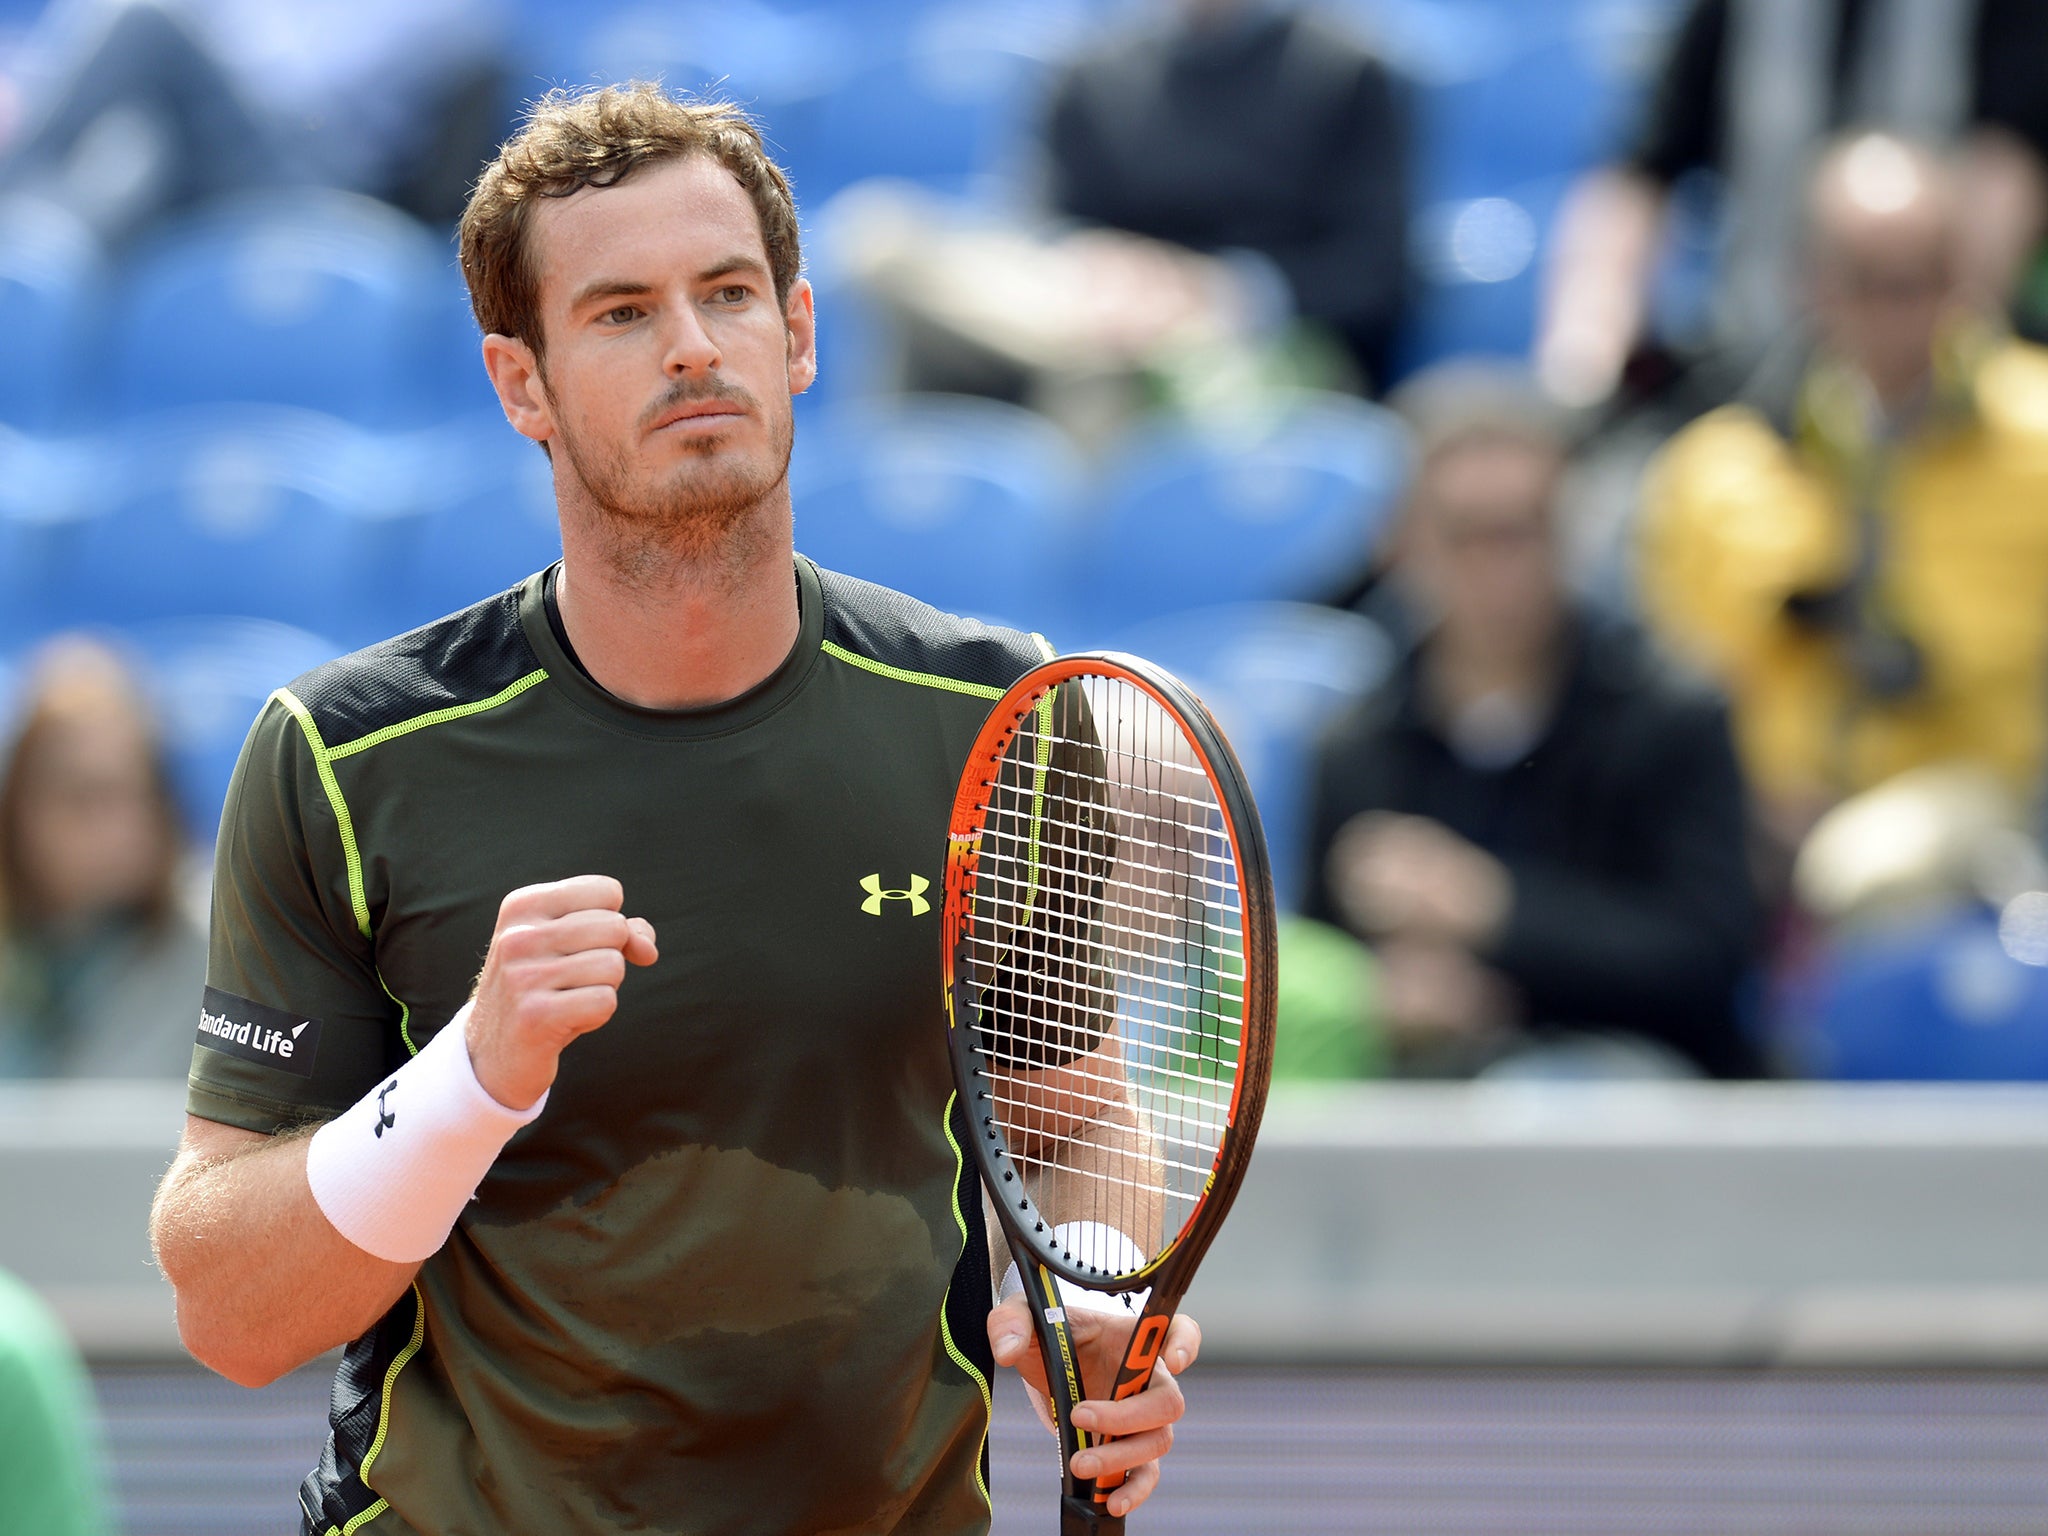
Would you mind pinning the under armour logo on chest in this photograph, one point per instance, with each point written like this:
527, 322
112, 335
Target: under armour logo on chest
872, 884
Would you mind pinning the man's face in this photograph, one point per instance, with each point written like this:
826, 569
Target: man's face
1481, 545
91, 840
1880, 304
666, 381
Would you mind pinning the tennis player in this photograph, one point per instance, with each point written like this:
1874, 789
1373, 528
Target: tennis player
659, 1220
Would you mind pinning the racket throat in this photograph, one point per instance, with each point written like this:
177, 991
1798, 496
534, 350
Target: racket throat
1063, 1381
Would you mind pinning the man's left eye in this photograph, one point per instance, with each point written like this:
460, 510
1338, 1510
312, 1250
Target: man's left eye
733, 294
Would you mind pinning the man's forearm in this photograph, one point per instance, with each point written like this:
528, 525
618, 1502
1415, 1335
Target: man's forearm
1106, 1167
264, 1283
1111, 1174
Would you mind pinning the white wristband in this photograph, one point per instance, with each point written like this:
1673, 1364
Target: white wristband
1099, 1244
394, 1170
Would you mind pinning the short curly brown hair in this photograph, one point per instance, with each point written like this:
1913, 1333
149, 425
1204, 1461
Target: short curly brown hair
596, 138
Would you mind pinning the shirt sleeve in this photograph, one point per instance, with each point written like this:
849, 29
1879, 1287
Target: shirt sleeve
2010, 70
1350, 765
1664, 954
1682, 129
295, 1025
1353, 271
1070, 164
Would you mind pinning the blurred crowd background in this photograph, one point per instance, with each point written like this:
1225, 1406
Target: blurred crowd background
1590, 454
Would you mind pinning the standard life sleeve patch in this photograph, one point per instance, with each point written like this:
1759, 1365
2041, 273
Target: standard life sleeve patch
235, 1026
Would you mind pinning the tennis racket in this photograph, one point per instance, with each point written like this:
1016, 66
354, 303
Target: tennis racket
1109, 969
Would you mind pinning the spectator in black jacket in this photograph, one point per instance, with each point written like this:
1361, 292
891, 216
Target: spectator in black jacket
1247, 125
1540, 830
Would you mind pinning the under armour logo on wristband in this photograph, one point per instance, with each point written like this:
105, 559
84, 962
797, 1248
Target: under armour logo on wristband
384, 1116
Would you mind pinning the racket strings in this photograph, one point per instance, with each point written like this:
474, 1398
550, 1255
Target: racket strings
1034, 1060
1145, 953
1104, 944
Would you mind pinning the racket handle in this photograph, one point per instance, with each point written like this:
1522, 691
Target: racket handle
1078, 1517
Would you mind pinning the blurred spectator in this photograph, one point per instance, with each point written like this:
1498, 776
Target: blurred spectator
49, 1484
98, 959
1859, 549
1328, 1015
163, 104
1540, 830
1092, 328
1238, 126
1918, 848
1750, 90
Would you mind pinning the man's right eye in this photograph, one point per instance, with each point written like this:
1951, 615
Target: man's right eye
621, 315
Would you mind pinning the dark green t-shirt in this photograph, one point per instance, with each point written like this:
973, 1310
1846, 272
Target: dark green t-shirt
734, 1278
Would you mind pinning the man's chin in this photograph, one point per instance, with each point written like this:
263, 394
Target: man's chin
706, 496
696, 491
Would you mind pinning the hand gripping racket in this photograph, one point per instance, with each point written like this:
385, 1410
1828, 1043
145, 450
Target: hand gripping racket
1109, 967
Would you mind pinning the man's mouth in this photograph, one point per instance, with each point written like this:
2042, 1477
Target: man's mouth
697, 415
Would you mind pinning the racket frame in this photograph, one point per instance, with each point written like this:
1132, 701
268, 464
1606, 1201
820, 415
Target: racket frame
1084, 1510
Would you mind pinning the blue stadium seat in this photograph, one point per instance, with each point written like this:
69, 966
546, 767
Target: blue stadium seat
10, 690
762, 56
1274, 675
44, 495
960, 502
265, 511
1510, 101
52, 286
325, 300
948, 112
453, 378
208, 678
1201, 514
1478, 264
489, 520
1937, 1001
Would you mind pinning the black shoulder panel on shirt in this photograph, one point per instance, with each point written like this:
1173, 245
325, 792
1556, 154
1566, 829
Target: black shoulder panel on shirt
457, 660
887, 626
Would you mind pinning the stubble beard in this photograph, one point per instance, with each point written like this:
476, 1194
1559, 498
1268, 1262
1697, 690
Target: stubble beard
710, 517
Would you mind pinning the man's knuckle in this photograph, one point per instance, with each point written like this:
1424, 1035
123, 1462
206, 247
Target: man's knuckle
518, 941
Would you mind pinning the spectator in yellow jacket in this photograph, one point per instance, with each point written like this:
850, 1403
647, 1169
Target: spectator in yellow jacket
1863, 559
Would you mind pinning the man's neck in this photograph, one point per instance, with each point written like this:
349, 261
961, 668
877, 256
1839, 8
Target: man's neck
1458, 676
1900, 405
710, 629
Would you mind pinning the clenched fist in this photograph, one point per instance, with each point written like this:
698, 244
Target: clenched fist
553, 972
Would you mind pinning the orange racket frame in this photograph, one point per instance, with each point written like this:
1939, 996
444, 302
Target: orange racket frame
1039, 1258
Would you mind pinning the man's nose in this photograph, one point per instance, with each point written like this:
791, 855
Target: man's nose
689, 347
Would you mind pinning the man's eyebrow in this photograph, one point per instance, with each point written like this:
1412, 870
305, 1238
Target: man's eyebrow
732, 265
629, 288
609, 288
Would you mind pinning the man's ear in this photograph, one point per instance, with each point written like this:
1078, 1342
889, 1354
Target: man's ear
800, 321
522, 392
